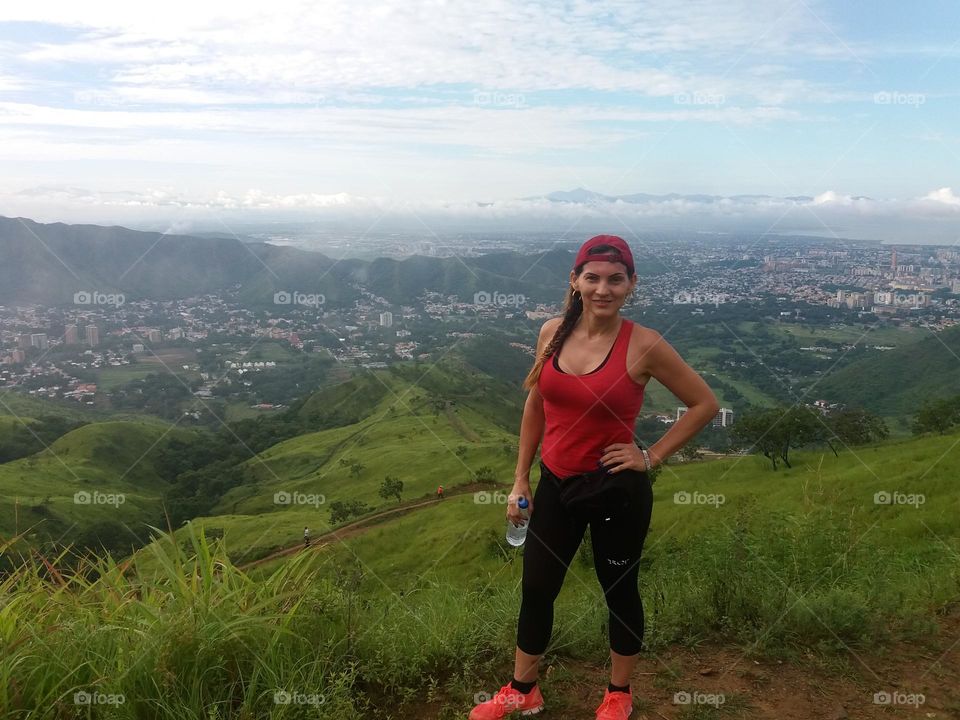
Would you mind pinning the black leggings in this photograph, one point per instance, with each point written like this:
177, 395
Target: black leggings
553, 536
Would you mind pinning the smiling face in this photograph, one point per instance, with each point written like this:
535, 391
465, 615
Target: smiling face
604, 286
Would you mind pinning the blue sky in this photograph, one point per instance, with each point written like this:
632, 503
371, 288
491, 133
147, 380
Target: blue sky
134, 112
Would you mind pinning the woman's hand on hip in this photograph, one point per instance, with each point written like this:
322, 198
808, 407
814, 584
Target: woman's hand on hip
622, 456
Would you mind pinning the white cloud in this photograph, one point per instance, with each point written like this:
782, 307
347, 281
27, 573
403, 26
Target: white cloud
944, 195
295, 45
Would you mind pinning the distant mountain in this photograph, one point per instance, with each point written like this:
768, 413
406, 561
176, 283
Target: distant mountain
897, 382
49, 263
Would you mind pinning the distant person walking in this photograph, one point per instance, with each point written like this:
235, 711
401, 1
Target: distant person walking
591, 472
440, 492
306, 537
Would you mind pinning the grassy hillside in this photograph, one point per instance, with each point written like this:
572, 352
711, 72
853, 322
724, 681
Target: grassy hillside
409, 433
798, 571
39, 493
460, 539
906, 376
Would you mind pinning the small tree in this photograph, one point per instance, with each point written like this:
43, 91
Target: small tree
937, 416
391, 487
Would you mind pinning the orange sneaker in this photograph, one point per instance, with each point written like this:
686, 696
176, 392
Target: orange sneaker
509, 700
615, 706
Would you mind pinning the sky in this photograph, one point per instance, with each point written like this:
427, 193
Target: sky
173, 111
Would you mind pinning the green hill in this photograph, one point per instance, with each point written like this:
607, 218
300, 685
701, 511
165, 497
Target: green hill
460, 538
897, 382
62, 492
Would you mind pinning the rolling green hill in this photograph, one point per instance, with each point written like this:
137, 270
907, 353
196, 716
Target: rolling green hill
70, 258
897, 382
459, 538
62, 492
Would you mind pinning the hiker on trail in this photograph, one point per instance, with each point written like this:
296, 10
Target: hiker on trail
440, 492
306, 537
584, 405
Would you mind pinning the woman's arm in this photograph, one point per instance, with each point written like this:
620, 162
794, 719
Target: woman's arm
665, 364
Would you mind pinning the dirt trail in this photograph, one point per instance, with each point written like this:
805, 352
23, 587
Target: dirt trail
752, 687
359, 526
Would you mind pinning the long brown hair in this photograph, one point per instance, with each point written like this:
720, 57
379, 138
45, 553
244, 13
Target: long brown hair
572, 310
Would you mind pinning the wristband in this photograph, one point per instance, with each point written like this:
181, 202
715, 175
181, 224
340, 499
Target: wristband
646, 459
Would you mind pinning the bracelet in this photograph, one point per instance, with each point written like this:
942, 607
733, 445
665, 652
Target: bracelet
646, 459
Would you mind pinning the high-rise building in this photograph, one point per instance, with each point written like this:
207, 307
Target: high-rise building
386, 319
70, 335
723, 418
23, 341
93, 335
153, 336
39, 340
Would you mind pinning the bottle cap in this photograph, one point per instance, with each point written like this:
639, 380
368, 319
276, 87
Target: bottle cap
522, 503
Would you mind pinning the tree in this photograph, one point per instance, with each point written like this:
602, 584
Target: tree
937, 416
760, 430
775, 431
690, 452
341, 510
855, 426
391, 487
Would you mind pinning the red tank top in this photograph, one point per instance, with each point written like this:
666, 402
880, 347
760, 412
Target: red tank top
586, 413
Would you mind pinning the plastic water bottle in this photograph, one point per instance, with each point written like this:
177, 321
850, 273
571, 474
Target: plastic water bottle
516, 535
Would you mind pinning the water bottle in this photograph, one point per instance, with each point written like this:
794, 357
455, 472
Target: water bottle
516, 535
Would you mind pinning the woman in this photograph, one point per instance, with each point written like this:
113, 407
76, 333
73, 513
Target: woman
584, 406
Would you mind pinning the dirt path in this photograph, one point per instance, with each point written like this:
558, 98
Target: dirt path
359, 526
752, 687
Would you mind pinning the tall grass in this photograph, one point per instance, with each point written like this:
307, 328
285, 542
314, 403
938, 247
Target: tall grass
199, 638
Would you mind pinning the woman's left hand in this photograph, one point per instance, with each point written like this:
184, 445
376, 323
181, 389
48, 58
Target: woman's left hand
622, 456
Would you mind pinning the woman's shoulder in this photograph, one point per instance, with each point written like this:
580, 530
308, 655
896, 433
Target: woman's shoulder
641, 335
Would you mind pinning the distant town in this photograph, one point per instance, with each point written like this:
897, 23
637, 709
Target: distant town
68, 352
